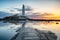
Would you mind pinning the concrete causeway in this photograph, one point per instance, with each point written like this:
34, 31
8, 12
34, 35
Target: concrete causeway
27, 33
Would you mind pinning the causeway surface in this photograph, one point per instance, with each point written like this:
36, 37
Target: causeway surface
27, 33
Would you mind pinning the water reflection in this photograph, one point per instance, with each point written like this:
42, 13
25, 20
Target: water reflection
8, 28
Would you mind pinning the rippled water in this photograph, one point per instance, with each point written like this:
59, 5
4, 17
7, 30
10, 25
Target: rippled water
8, 29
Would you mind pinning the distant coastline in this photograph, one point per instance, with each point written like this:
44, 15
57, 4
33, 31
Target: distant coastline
16, 18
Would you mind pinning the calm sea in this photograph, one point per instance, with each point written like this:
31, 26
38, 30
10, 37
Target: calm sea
8, 29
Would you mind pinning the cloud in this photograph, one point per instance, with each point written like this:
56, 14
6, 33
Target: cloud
4, 14
27, 8
46, 16
19, 10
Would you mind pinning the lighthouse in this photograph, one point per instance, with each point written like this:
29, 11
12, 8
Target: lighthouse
23, 10
23, 17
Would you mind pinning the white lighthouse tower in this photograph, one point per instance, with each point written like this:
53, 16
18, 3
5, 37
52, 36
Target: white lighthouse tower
23, 10
23, 17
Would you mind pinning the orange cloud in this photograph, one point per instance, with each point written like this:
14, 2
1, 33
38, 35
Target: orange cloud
45, 16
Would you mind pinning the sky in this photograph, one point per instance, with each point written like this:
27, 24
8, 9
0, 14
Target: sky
48, 6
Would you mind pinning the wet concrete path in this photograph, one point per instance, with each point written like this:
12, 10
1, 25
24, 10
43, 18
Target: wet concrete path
34, 34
